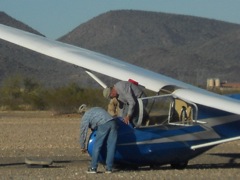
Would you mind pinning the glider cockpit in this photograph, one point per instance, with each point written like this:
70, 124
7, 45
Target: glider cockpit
164, 110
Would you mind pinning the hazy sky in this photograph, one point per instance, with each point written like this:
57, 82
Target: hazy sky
55, 18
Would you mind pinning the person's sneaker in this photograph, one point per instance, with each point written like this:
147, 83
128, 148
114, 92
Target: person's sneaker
108, 171
91, 171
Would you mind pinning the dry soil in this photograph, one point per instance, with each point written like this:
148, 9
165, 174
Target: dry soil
44, 135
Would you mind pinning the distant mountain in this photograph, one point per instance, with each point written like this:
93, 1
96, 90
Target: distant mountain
15, 60
188, 48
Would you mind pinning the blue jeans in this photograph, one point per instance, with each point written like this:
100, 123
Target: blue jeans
106, 131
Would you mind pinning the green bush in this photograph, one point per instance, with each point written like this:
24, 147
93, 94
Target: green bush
11, 92
18, 93
68, 99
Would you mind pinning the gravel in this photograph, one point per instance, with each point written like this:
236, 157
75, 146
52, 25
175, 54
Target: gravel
41, 134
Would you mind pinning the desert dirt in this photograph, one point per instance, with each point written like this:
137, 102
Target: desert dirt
41, 134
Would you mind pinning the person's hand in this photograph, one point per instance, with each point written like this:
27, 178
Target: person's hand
83, 151
126, 119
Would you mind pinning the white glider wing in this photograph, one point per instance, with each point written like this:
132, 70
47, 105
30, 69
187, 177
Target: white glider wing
115, 68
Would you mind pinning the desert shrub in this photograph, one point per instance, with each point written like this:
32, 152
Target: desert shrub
11, 92
67, 99
18, 93
34, 94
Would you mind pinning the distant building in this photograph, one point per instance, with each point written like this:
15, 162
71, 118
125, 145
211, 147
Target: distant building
215, 83
230, 85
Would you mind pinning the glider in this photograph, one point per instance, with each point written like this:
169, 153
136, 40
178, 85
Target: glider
184, 120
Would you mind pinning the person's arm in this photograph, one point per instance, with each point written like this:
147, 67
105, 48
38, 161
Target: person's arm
127, 119
131, 105
83, 132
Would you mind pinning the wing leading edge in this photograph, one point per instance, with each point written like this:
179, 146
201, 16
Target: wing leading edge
115, 68
87, 59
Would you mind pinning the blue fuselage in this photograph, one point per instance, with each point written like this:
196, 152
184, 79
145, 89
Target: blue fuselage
171, 143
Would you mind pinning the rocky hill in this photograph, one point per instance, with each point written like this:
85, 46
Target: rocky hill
18, 61
188, 48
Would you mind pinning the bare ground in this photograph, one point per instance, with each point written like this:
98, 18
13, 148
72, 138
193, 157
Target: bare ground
44, 135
